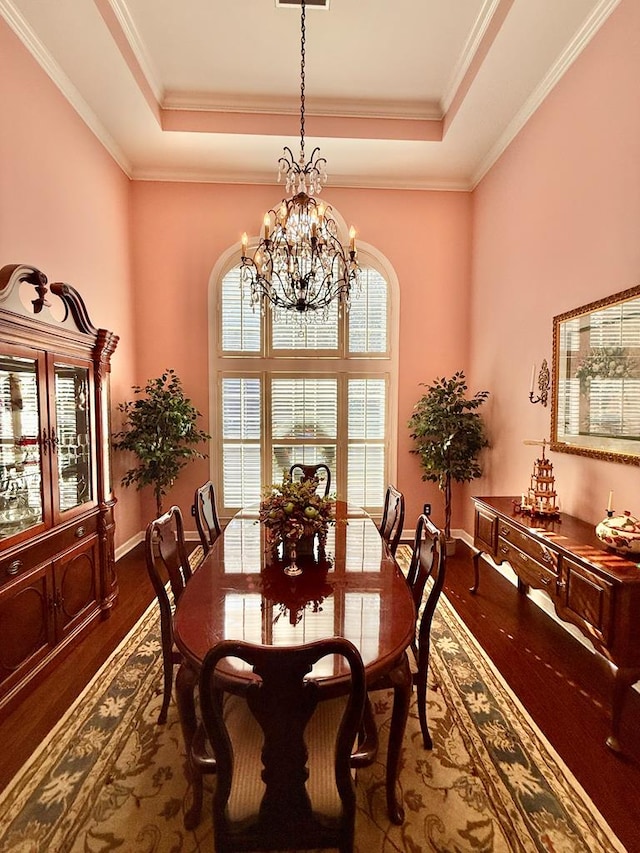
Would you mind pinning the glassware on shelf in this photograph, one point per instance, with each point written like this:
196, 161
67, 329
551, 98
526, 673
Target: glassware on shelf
20, 459
73, 436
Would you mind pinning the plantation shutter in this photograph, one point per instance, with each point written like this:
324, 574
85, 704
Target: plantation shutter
368, 315
241, 429
367, 405
304, 423
240, 323
298, 396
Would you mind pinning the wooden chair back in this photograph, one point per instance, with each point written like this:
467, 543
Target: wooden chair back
428, 563
282, 749
206, 514
392, 518
307, 472
167, 560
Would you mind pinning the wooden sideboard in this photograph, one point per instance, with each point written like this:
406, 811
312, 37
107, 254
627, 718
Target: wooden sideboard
590, 586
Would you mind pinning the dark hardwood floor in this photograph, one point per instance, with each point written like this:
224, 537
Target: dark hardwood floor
563, 686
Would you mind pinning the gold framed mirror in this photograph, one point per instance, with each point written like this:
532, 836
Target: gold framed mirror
595, 401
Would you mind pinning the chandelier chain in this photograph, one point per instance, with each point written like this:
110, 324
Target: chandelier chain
302, 53
300, 267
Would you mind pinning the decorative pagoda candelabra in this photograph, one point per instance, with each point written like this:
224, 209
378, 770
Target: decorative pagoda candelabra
540, 498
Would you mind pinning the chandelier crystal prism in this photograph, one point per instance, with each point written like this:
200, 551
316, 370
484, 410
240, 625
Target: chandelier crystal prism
300, 265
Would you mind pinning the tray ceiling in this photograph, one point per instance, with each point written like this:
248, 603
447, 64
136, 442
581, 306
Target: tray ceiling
407, 94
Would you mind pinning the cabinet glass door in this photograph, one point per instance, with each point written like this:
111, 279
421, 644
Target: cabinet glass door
21, 503
73, 438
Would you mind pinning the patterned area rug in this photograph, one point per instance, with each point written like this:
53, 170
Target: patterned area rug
109, 778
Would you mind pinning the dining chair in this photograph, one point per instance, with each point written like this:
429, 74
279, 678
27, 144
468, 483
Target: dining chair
392, 518
206, 514
427, 569
166, 558
282, 749
307, 472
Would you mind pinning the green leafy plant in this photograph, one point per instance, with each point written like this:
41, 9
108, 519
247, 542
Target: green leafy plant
449, 434
161, 430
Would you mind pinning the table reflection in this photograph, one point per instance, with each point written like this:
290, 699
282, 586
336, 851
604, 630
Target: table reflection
353, 542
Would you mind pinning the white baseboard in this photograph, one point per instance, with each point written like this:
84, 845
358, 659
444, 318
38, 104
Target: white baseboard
130, 544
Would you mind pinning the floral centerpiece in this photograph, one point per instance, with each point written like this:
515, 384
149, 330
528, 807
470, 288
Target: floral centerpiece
292, 510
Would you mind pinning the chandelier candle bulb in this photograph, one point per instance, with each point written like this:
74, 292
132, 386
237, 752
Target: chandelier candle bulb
533, 377
245, 243
610, 503
267, 224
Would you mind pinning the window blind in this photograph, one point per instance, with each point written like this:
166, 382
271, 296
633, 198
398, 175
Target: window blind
319, 410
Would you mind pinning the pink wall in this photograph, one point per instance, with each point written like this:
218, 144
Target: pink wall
64, 208
556, 226
182, 229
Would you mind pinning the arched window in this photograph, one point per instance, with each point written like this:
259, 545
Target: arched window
290, 391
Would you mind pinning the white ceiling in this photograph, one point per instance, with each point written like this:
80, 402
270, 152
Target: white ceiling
398, 93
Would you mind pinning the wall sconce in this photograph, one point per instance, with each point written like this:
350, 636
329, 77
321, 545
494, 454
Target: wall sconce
544, 382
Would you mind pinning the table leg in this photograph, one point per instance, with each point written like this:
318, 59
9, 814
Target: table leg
623, 678
402, 683
186, 681
476, 572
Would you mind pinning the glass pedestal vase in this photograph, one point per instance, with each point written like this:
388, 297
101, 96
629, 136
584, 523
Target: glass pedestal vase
303, 548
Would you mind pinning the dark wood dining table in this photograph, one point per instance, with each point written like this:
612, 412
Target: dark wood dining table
357, 591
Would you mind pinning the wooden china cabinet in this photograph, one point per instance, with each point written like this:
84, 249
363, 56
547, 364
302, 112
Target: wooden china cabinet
57, 562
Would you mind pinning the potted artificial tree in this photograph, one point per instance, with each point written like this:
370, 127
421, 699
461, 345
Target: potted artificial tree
449, 434
160, 429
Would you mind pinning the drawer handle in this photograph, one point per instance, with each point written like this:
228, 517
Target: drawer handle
546, 556
504, 531
545, 581
14, 568
79, 532
504, 549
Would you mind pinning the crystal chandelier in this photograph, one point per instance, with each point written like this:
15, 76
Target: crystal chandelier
300, 264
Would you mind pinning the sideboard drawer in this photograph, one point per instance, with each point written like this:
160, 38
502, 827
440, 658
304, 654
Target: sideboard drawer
586, 599
485, 535
529, 570
524, 542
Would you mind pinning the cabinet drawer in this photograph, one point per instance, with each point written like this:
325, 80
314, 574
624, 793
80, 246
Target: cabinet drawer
485, 535
538, 551
587, 600
46, 548
530, 571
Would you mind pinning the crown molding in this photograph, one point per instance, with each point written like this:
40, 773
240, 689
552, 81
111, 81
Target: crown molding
314, 106
565, 61
476, 36
207, 176
132, 36
51, 68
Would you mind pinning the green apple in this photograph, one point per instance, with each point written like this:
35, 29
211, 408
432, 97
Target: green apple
310, 511
288, 508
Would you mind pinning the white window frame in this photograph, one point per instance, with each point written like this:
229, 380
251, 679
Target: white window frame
287, 362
